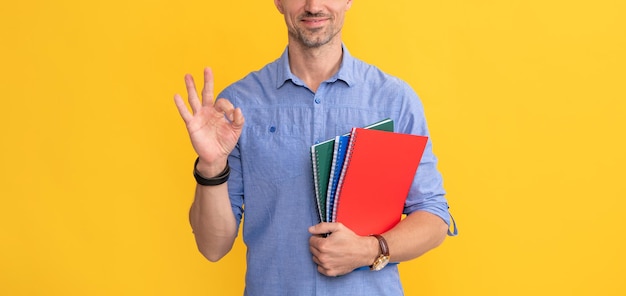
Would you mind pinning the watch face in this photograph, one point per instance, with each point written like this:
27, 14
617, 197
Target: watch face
380, 262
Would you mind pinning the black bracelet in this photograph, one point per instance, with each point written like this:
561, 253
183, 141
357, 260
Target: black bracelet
217, 180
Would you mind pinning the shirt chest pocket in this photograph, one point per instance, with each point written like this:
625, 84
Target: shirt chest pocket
274, 153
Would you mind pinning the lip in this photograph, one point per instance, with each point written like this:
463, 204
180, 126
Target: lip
314, 22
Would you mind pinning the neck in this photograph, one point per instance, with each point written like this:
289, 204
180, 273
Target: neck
315, 65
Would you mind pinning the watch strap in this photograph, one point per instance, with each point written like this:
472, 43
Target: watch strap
384, 248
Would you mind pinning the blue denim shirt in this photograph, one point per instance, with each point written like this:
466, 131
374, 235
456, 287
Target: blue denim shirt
271, 175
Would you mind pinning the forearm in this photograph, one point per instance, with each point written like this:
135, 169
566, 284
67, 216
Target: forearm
213, 222
343, 250
415, 235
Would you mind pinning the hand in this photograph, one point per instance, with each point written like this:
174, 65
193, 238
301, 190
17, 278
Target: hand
214, 128
342, 251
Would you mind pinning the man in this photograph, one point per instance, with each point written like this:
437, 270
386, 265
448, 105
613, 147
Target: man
314, 91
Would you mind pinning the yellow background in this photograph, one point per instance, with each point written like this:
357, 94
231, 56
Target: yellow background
525, 101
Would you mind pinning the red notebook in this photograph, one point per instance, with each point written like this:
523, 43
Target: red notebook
378, 173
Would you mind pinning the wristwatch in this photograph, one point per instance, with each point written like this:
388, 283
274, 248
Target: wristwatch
383, 258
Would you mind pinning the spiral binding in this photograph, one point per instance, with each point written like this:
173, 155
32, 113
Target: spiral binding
346, 163
339, 152
315, 156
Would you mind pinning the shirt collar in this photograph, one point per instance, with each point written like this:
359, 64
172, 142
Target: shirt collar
344, 74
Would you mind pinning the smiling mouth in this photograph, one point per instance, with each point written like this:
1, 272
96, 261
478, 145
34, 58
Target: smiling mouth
318, 20
314, 18
314, 22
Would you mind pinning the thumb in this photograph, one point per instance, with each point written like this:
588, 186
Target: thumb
324, 228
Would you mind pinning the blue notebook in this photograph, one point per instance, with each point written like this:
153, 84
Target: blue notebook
339, 154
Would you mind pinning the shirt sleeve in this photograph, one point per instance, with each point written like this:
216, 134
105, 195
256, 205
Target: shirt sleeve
235, 181
427, 192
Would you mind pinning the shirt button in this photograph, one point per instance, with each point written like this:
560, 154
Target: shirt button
272, 129
318, 100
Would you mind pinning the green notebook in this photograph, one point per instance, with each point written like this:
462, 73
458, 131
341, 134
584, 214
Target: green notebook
322, 161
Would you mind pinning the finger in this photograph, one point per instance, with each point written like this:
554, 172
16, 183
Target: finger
207, 90
314, 242
315, 260
323, 270
318, 257
238, 119
328, 271
182, 108
226, 107
192, 95
323, 228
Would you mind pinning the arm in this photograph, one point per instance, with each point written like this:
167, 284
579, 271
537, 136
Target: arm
343, 250
212, 221
214, 129
415, 235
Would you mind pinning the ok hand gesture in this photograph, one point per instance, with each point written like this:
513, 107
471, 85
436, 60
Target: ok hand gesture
214, 127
